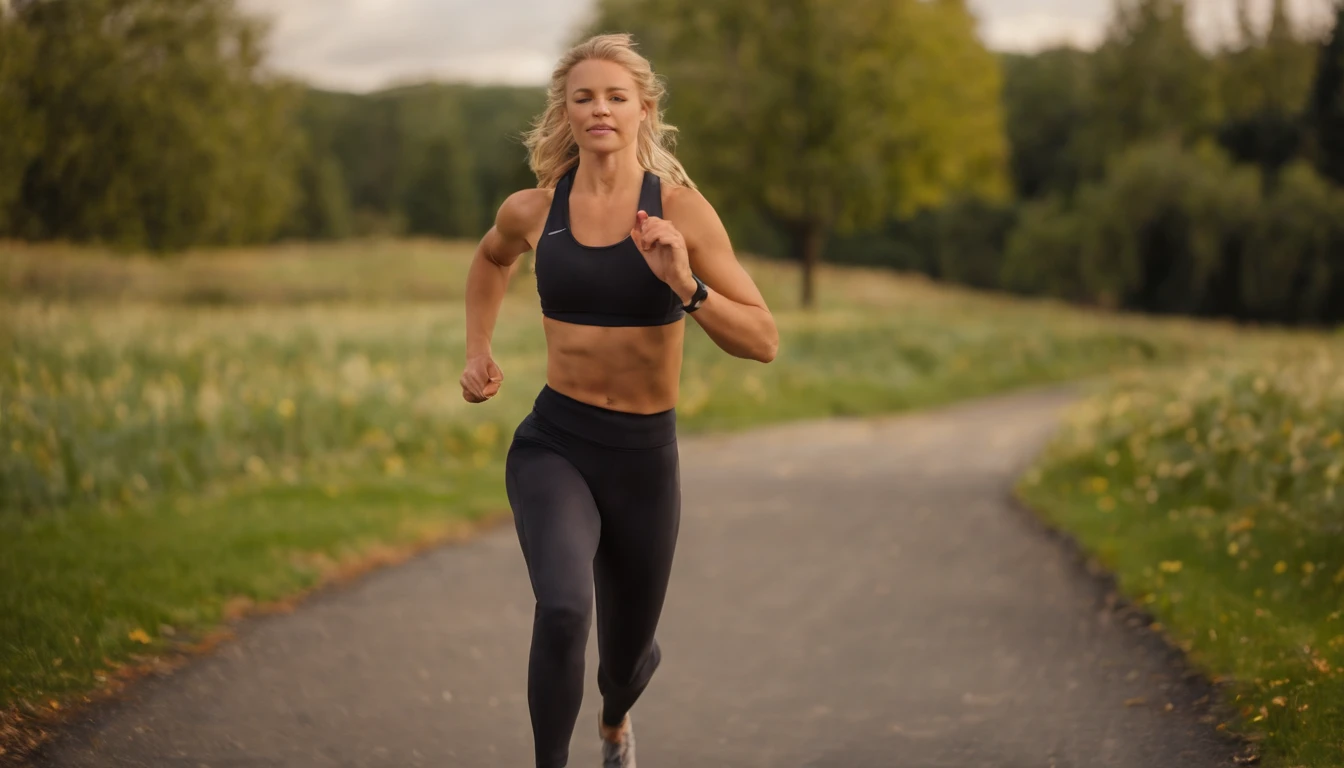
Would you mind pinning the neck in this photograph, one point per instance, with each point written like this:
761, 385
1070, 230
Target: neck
608, 174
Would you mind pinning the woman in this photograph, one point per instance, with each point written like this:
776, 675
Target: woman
626, 247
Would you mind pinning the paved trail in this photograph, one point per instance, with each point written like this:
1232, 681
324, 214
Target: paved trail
847, 594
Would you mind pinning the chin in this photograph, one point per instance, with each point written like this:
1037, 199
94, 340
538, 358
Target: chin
613, 143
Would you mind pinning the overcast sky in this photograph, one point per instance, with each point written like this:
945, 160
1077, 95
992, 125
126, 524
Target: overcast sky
365, 44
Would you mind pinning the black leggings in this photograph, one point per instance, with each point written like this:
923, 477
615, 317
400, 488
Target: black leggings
596, 498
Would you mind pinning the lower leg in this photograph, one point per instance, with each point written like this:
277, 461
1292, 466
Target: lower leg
622, 687
555, 679
631, 574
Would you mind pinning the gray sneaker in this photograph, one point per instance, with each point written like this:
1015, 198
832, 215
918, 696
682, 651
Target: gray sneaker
620, 754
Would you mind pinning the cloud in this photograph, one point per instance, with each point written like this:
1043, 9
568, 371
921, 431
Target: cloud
366, 44
1026, 25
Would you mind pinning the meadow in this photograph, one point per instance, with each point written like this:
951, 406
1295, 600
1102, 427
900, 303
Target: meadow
185, 441
1213, 493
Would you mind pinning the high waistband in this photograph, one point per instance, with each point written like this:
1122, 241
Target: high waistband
615, 429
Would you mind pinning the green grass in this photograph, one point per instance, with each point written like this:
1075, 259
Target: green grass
169, 429
1214, 495
383, 271
88, 587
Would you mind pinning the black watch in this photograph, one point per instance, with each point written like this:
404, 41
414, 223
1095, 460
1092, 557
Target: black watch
697, 298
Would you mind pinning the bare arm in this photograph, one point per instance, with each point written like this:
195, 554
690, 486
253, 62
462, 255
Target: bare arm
735, 314
491, 267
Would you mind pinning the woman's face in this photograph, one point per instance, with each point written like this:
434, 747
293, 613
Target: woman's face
604, 106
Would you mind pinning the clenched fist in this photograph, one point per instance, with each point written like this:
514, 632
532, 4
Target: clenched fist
481, 379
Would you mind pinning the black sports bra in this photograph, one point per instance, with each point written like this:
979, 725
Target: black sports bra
609, 285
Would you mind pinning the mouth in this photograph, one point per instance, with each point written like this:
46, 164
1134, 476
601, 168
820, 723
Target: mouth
602, 130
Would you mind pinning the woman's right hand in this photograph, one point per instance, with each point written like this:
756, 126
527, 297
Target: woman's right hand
481, 379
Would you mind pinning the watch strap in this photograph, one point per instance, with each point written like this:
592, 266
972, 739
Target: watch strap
697, 298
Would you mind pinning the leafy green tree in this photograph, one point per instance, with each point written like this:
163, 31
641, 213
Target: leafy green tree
370, 143
825, 117
395, 146
22, 126
158, 129
1290, 259
1150, 82
1325, 110
441, 199
972, 234
499, 117
1041, 256
1160, 233
1046, 100
1263, 83
322, 211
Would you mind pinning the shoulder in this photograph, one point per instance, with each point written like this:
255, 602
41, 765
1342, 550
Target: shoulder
520, 213
683, 204
690, 212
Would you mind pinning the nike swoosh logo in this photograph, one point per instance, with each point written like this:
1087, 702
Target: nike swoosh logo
558, 231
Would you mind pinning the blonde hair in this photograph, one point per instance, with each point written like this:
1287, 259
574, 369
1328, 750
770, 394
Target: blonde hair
551, 146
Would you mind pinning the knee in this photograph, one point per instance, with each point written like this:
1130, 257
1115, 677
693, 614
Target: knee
563, 626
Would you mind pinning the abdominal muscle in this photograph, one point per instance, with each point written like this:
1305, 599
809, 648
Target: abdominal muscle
632, 369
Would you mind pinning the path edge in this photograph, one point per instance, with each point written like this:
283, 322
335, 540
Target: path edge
1211, 703
25, 737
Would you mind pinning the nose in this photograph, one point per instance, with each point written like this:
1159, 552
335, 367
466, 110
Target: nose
601, 108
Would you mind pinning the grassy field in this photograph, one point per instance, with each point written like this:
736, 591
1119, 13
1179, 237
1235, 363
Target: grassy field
181, 440
1214, 494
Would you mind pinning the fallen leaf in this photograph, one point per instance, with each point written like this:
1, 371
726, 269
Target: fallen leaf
1135, 702
139, 636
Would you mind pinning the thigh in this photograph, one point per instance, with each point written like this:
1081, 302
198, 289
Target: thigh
557, 521
640, 501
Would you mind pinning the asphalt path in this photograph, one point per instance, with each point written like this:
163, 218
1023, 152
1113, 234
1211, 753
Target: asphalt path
846, 594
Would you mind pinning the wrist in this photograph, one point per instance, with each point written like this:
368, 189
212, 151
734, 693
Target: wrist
684, 286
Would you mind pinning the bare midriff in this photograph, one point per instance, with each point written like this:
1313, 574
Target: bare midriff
634, 369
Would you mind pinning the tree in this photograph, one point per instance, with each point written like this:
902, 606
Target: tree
1046, 97
1290, 259
22, 126
1149, 82
825, 116
441, 199
1263, 83
158, 129
1325, 109
1163, 225
323, 208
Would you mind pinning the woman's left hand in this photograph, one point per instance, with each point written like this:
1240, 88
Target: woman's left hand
664, 249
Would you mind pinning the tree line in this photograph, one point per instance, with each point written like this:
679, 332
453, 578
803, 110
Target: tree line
1151, 175
153, 125
1147, 173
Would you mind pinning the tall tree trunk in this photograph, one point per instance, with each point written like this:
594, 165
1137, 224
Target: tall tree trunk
807, 238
